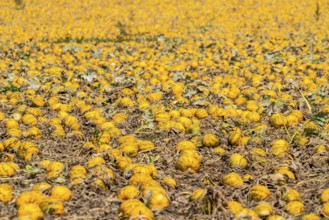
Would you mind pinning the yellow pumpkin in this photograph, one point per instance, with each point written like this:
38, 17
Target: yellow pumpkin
294, 207
253, 116
156, 198
324, 197
177, 89
201, 113
249, 213
145, 146
320, 149
259, 193
210, 140
128, 192
233, 179
7, 169
280, 147
311, 216
33, 133
139, 179
54, 169
14, 132
96, 161
301, 141
41, 187
263, 209
125, 102
78, 171
61, 193
53, 206
44, 163
162, 117
135, 209
2, 116
185, 121
292, 120
258, 151
155, 97
285, 171
29, 119
275, 217
119, 118
277, 120
30, 211
38, 101
34, 197
126, 139
243, 141
26, 150
141, 212
198, 194
219, 150
291, 195
325, 209
184, 145
237, 160
234, 137
189, 160
11, 123
6, 193
11, 143
233, 206
174, 114
103, 173
130, 149
169, 182
123, 162
298, 114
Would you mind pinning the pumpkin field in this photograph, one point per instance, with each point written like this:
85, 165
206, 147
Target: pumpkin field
169, 110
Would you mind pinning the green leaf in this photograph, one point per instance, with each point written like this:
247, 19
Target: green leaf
29, 169
320, 118
60, 180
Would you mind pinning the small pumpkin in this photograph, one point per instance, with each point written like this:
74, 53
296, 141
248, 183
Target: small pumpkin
189, 160
237, 160
263, 209
210, 140
234, 137
53, 206
6, 193
30, 211
324, 197
61, 192
259, 193
294, 207
198, 194
233, 179
128, 192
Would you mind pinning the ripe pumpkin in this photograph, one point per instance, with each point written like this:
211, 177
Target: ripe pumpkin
30, 211
61, 192
233, 179
259, 193
189, 160
263, 209
210, 140
234, 137
291, 195
128, 192
53, 206
294, 207
6, 193
237, 160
